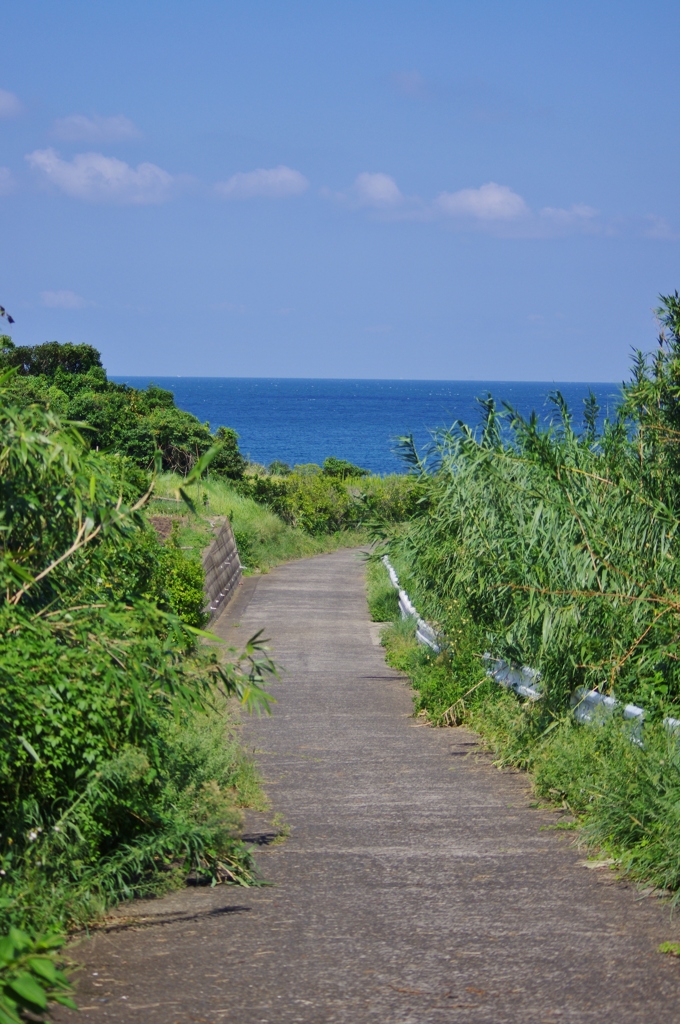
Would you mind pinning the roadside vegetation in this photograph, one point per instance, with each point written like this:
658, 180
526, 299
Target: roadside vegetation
121, 769
557, 547
279, 514
336, 496
263, 538
120, 766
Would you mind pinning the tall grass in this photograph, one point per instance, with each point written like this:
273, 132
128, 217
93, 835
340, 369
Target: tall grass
559, 548
383, 600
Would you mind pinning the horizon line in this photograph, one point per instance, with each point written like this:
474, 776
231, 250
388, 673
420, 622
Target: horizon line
396, 380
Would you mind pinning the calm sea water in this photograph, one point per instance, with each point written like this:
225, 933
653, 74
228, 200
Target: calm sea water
307, 420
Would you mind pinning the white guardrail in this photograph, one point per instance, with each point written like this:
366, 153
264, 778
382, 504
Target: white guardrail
588, 705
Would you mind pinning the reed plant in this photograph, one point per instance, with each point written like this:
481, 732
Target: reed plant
557, 547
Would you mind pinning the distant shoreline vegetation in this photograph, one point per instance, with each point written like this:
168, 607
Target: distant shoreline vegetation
141, 425
70, 381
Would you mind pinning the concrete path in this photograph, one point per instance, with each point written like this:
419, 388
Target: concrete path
417, 884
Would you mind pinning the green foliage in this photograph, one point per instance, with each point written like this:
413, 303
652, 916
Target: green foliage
31, 976
448, 684
321, 502
69, 380
46, 359
184, 579
279, 468
556, 550
102, 689
262, 537
559, 548
342, 469
383, 600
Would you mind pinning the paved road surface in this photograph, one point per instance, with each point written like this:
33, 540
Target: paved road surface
416, 885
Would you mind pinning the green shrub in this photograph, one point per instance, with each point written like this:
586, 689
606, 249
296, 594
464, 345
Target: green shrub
70, 381
321, 502
98, 673
342, 469
183, 579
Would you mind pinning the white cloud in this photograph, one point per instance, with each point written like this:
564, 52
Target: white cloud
275, 183
493, 209
377, 190
490, 202
103, 179
63, 300
577, 215
79, 128
7, 182
10, 105
380, 192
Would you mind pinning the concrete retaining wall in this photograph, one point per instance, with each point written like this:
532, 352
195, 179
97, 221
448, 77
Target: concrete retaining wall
222, 569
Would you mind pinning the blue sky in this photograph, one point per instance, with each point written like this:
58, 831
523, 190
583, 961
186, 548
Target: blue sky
439, 190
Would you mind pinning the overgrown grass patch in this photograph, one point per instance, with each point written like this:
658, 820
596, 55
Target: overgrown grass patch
262, 537
447, 683
186, 813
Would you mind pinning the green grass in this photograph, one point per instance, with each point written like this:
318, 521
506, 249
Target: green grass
263, 539
383, 599
625, 798
199, 792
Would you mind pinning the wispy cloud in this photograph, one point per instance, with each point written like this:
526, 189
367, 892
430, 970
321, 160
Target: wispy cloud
7, 182
659, 228
378, 190
490, 202
10, 105
96, 178
79, 128
63, 300
497, 208
375, 191
275, 183
493, 208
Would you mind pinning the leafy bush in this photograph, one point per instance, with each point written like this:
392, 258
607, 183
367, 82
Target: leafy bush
70, 381
342, 469
98, 672
46, 359
320, 501
183, 579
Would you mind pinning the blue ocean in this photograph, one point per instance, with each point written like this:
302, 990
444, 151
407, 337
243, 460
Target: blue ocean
307, 420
